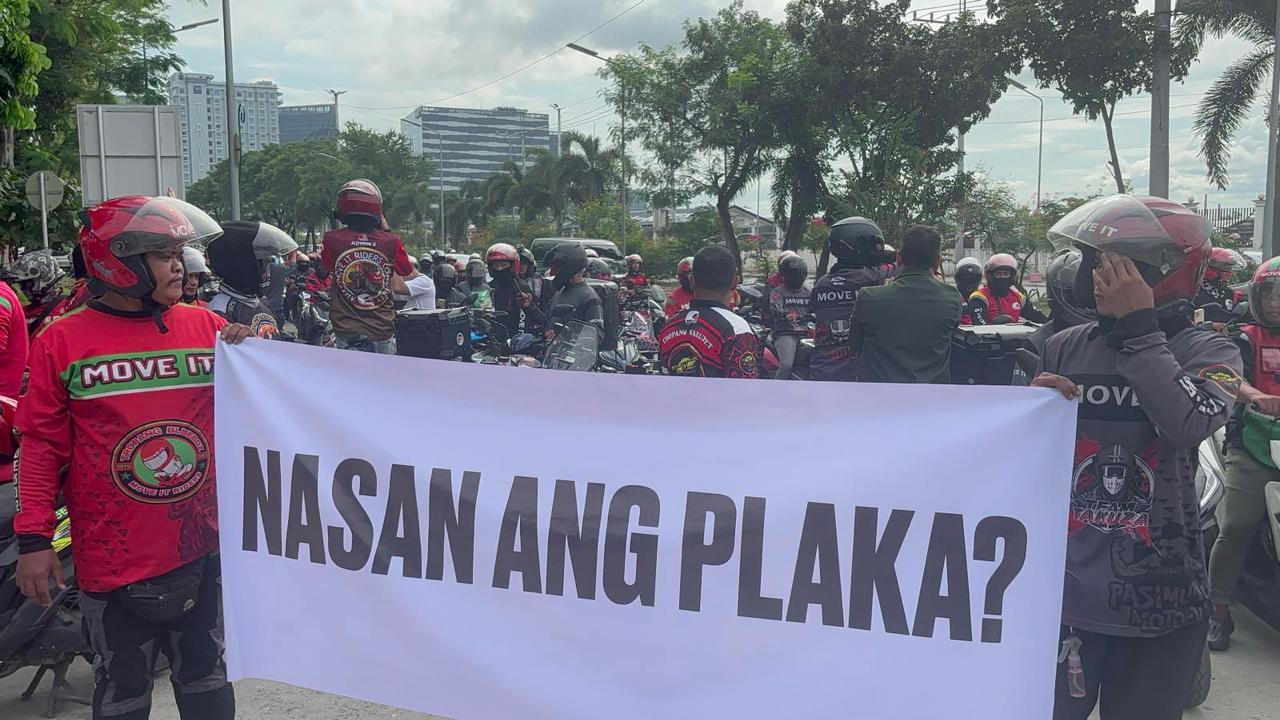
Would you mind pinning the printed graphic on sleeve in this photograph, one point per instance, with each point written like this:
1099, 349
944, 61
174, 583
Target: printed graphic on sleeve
363, 277
1111, 489
264, 326
162, 462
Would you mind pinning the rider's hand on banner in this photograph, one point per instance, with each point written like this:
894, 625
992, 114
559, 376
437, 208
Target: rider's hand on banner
1063, 385
235, 333
34, 571
1119, 288
1268, 405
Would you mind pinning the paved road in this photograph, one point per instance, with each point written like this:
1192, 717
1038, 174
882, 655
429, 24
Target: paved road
1246, 686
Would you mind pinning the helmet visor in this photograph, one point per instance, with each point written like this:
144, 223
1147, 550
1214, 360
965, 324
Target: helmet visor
272, 241
1121, 225
161, 223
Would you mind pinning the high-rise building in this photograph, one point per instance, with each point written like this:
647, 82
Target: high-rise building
201, 103
300, 123
475, 143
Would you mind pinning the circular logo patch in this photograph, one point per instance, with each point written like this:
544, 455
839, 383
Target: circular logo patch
363, 278
263, 325
162, 462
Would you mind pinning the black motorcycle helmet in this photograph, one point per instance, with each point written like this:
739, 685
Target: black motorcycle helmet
968, 276
528, 264
856, 241
598, 269
232, 259
446, 278
794, 271
569, 260
476, 271
1060, 277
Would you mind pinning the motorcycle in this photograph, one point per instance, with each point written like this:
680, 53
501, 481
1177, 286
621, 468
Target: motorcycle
575, 347
313, 323
492, 344
753, 299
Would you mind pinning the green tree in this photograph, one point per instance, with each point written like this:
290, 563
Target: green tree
1095, 53
707, 112
1225, 107
21, 60
599, 219
585, 170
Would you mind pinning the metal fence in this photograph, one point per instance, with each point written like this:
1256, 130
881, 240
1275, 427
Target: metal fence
1224, 217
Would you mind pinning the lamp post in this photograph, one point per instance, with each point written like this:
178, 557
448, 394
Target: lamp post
440, 151
622, 89
146, 74
233, 128
1040, 152
559, 139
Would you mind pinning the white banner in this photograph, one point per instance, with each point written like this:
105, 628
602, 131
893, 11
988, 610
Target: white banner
486, 543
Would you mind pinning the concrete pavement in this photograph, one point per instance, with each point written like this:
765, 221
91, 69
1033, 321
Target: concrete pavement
1246, 686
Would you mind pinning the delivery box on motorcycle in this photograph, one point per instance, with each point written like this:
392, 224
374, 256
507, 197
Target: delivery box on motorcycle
612, 309
987, 354
432, 334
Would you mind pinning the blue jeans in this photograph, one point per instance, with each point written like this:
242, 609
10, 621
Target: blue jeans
363, 344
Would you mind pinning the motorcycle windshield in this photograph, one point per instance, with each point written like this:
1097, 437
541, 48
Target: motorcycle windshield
575, 347
1121, 225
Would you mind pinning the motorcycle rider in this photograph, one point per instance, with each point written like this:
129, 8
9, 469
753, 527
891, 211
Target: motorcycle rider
198, 272
861, 261
14, 342
150, 532
598, 269
787, 311
998, 301
234, 257
680, 298
510, 294
478, 293
447, 293
1244, 509
775, 277
418, 289
1064, 311
37, 275
707, 339
1216, 286
538, 285
362, 256
968, 277
574, 299
635, 273
1134, 522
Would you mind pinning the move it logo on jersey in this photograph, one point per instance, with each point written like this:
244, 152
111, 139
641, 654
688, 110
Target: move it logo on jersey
162, 462
363, 278
1111, 489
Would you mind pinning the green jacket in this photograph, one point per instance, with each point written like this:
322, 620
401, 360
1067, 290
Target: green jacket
901, 332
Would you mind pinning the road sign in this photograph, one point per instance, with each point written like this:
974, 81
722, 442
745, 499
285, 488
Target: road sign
44, 192
52, 190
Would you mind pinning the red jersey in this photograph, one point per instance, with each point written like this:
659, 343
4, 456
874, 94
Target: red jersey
1009, 305
13, 342
678, 300
708, 340
362, 265
128, 411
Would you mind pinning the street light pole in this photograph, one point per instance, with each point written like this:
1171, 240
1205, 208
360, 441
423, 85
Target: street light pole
1040, 152
1158, 174
233, 129
559, 139
622, 89
1272, 208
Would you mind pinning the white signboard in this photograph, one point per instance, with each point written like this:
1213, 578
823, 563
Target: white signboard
129, 150
486, 543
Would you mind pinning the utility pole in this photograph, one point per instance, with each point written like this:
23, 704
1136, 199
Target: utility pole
233, 122
622, 90
559, 137
1271, 208
1159, 172
337, 123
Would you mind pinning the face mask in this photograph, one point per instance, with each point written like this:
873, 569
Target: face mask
561, 281
684, 283
1083, 289
1001, 286
504, 275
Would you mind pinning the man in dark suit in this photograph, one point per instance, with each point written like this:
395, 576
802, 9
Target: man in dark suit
901, 332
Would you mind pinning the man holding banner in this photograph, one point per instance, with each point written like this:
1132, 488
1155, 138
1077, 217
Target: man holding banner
1152, 388
118, 419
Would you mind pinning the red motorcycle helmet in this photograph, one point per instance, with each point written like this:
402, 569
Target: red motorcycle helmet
1222, 264
503, 252
1168, 243
1263, 289
359, 197
684, 271
116, 234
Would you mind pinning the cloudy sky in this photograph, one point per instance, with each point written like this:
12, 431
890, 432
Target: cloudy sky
390, 55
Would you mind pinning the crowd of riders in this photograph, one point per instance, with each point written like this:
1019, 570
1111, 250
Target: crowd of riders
115, 418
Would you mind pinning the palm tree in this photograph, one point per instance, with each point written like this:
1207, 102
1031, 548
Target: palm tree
585, 170
1225, 107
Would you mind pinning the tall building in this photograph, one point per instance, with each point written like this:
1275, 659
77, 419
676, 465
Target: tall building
475, 143
201, 102
300, 123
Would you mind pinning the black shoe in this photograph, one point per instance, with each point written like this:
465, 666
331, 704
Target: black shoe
1220, 630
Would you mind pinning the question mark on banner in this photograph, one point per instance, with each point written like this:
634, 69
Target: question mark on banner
1014, 555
